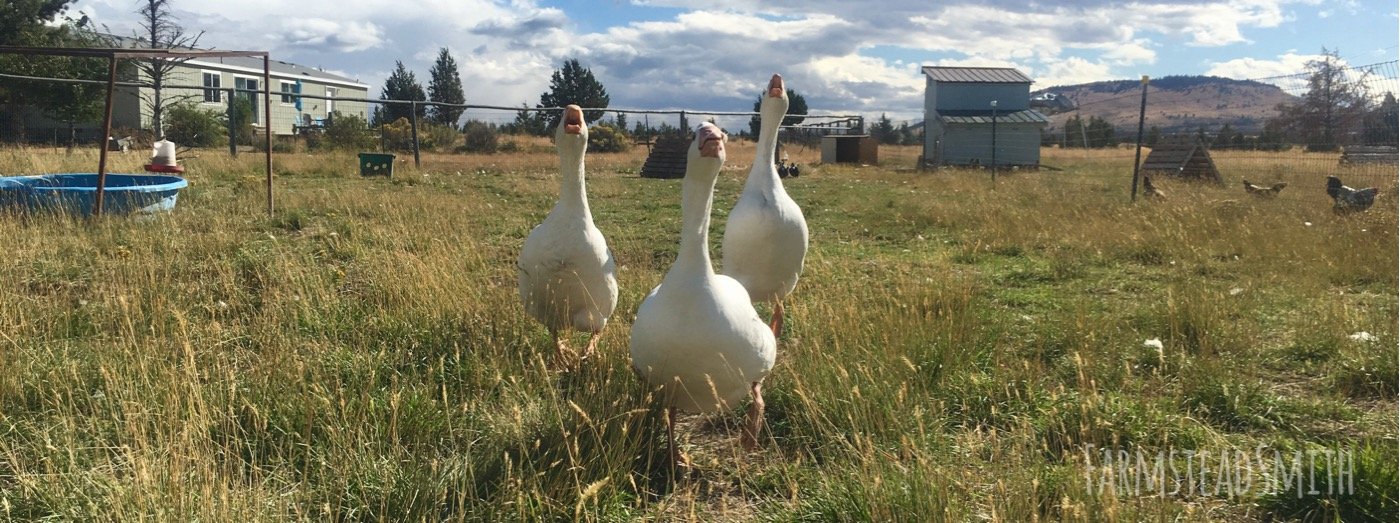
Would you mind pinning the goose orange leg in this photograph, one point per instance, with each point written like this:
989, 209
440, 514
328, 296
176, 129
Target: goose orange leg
777, 324
754, 422
674, 450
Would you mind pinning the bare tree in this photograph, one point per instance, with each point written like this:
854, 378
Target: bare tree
1334, 107
160, 30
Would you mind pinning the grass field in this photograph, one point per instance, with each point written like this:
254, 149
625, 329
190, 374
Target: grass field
957, 349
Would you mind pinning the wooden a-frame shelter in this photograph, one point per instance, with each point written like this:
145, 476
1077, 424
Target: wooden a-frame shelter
1182, 160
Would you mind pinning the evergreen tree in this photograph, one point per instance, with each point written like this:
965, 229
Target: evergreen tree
907, 135
1075, 132
883, 131
621, 121
529, 122
1223, 137
574, 84
31, 23
445, 85
1381, 124
73, 103
401, 85
1101, 133
796, 113
1153, 135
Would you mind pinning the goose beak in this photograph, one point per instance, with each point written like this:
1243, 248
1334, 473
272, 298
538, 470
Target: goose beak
573, 119
775, 86
711, 141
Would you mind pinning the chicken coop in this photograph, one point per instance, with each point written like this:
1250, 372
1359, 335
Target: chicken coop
1190, 161
980, 116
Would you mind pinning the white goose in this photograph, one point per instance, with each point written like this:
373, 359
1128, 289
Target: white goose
765, 239
567, 274
697, 336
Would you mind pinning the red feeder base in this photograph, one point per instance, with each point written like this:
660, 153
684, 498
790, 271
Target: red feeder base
174, 169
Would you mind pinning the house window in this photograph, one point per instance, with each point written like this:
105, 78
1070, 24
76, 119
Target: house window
248, 89
289, 90
211, 88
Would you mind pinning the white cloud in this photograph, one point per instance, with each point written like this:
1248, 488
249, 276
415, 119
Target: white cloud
331, 36
1073, 70
717, 55
1132, 53
1284, 71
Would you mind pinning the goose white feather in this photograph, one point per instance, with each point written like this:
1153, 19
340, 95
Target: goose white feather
765, 238
568, 277
697, 335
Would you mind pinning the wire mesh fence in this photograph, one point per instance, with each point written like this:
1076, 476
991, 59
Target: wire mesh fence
1335, 121
1282, 140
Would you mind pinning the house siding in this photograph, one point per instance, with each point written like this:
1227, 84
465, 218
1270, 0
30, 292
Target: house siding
131, 106
284, 116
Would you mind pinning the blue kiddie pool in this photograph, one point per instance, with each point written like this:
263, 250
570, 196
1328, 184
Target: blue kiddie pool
77, 193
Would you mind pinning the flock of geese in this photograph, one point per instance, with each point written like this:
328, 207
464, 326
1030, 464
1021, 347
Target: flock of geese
697, 337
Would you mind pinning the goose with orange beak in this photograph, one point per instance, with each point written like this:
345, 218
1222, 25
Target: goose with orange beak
697, 337
765, 239
568, 277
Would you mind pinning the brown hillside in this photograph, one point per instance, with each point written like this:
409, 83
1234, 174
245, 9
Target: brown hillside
1174, 103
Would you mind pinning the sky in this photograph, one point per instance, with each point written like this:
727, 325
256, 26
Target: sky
842, 56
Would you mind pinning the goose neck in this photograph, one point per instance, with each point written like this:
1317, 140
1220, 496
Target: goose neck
572, 192
697, 196
765, 173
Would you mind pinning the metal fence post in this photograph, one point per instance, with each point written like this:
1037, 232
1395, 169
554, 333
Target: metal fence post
106, 136
232, 127
1137, 158
413, 113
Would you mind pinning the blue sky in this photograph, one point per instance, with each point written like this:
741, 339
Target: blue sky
844, 56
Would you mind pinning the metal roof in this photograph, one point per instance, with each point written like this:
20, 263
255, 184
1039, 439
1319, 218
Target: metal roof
280, 69
276, 67
985, 117
986, 75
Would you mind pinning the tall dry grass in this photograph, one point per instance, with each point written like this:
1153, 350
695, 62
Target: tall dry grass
954, 344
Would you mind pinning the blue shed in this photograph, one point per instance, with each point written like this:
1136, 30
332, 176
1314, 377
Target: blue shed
959, 106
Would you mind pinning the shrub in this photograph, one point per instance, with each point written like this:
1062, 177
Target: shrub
189, 125
347, 131
605, 138
242, 110
437, 136
481, 137
398, 136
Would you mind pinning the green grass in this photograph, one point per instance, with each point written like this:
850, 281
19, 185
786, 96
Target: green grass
952, 348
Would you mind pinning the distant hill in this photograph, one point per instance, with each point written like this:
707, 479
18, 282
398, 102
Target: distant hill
1174, 103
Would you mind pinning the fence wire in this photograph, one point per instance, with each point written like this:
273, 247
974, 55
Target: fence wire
311, 117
